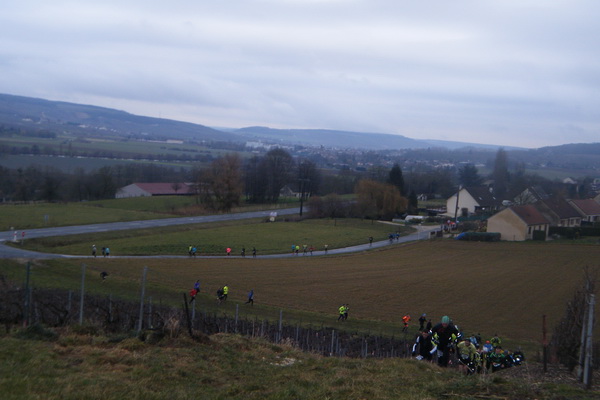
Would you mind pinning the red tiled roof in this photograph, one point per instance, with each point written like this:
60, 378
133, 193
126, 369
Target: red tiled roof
164, 188
561, 208
530, 215
587, 206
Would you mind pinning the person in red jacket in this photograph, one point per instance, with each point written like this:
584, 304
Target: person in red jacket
405, 320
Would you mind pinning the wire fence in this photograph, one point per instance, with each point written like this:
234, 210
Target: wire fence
24, 306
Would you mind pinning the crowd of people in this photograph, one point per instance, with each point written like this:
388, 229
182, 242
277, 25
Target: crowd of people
445, 343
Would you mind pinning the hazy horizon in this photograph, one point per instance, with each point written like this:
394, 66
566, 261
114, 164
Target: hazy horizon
515, 73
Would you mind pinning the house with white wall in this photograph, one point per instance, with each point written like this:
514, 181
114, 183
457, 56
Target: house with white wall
519, 223
472, 200
143, 189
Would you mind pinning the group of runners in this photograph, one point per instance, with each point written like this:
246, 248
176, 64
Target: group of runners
105, 251
305, 249
193, 250
446, 343
222, 293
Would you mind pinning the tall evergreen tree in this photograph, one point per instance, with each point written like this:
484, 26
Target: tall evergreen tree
500, 174
469, 176
396, 178
413, 203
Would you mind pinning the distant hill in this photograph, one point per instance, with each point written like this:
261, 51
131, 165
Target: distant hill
348, 139
38, 114
331, 138
35, 114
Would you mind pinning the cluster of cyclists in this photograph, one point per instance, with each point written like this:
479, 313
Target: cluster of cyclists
445, 342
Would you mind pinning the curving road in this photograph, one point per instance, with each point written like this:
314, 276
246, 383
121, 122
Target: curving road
12, 252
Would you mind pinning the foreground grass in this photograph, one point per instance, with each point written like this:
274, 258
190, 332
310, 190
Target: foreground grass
76, 366
214, 238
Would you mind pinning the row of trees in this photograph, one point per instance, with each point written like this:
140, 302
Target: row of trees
260, 180
228, 180
52, 184
508, 184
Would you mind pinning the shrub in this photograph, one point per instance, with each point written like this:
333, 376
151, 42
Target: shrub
37, 332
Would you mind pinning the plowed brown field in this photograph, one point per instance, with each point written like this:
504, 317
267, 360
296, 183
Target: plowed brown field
485, 287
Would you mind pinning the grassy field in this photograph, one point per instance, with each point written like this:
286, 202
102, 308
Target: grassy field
214, 238
43, 215
489, 288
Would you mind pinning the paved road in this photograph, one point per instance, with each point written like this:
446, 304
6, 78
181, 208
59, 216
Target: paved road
12, 252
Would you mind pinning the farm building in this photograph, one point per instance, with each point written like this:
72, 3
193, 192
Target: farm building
155, 189
589, 209
472, 200
518, 223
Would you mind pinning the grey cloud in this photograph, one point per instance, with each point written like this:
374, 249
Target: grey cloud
452, 70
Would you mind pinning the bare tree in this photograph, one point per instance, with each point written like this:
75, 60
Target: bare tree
221, 183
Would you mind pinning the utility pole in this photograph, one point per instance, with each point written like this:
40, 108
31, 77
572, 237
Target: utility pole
302, 189
456, 207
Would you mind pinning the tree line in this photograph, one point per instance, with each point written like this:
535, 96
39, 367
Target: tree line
227, 181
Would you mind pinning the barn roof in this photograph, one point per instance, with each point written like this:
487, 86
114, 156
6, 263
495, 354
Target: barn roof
164, 188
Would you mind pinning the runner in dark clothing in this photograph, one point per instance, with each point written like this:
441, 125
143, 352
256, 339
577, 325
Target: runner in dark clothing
425, 345
250, 297
444, 335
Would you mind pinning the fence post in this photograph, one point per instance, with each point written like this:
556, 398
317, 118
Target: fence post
587, 375
332, 341
187, 315
280, 325
193, 309
69, 301
545, 343
150, 312
27, 299
110, 317
82, 294
237, 310
139, 329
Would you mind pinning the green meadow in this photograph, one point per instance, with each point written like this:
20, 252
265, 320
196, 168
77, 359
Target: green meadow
214, 238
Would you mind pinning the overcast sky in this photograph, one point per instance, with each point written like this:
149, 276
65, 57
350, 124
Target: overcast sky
511, 72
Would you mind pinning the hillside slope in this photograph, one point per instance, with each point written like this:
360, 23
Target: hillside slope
38, 114
39, 363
